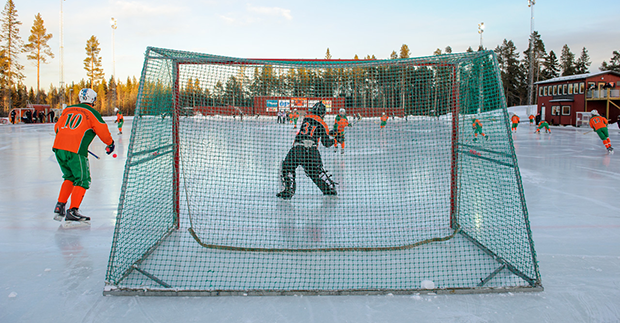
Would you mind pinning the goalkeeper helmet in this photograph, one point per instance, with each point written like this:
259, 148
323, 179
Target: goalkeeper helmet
318, 109
88, 96
115, 109
594, 112
342, 111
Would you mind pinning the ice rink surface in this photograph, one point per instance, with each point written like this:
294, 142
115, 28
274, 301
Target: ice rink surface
51, 274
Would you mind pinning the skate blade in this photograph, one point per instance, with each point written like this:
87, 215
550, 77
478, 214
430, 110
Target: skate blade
59, 217
75, 224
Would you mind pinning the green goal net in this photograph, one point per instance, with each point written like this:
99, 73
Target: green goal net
411, 185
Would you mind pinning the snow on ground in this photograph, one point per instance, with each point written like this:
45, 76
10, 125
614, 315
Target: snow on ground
49, 274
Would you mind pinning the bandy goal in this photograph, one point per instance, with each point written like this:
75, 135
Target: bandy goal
429, 194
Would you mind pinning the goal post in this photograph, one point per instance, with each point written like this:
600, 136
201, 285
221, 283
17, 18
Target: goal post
423, 196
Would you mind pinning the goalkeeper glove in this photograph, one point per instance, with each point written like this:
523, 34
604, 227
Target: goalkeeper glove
110, 148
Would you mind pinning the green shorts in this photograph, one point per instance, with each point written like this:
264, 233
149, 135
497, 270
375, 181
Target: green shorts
74, 167
120, 124
514, 125
603, 133
478, 130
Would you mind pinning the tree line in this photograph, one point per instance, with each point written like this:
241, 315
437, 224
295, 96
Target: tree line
110, 94
116, 93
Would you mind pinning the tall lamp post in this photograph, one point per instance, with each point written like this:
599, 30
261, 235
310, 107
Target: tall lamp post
480, 31
530, 94
113, 25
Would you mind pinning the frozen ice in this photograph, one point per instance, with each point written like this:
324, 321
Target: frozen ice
572, 188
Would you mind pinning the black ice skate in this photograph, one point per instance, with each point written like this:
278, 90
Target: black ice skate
286, 194
610, 150
74, 215
59, 211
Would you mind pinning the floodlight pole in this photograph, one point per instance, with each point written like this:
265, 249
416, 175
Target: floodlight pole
62, 61
531, 3
480, 31
113, 25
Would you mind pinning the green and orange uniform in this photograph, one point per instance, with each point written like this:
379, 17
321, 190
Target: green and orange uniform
339, 125
599, 125
515, 122
531, 117
477, 125
119, 120
384, 119
543, 124
75, 130
294, 116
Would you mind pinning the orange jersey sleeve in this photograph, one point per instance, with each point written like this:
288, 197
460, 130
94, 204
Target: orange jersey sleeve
77, 127
598, 122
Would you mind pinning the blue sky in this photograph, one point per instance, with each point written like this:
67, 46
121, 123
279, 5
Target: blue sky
305, 29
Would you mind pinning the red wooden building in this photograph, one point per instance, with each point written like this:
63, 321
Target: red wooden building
560, 98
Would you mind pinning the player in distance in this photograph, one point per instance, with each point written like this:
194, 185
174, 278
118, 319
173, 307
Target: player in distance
543, 124
119, 120
477, 125
294, 117
338, 131
384, 119
599, 123
305, 153
515, 122
75, 130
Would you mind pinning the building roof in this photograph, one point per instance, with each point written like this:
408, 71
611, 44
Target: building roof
576, 77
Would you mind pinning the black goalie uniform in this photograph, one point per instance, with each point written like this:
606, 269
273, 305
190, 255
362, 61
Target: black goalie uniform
305, 152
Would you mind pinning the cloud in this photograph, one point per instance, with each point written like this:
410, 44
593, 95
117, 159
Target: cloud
273, 11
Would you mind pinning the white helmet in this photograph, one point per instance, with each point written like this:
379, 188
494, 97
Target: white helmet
594, 112
342, 111
87, 96
115, 109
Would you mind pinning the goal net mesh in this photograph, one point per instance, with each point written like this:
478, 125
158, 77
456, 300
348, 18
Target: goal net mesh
429, 194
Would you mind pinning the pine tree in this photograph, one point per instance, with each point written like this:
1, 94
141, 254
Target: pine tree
404, 51
437, 52
582, 65
508, 61
539, 53
92, 63
10, 44
38, 49
551, 67
327, 54
567, 61
393, 55
614, 63
469, 49
448, 50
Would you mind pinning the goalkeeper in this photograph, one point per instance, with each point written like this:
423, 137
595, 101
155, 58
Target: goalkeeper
338, 131
75, 130
305, 152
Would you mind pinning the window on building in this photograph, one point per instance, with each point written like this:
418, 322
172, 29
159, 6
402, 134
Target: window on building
545, 91
555, 110
555, 90
540, 90
564, 89
575, 88
570, 89
566, 110
581, 87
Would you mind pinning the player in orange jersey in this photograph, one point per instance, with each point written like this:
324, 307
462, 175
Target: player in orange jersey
119, 120
305, 153
531, 117
338, 132
477, 125
515, 122
599, 125
384, 119
75, 130
543, 124
294, 116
